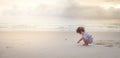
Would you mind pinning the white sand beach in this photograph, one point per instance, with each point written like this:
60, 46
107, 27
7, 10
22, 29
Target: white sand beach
58, 44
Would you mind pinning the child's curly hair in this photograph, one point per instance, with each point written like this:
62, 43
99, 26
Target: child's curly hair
80, 29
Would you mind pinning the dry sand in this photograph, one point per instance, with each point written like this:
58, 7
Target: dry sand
49, 44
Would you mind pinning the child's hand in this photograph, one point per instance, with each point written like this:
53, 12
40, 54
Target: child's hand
79, 40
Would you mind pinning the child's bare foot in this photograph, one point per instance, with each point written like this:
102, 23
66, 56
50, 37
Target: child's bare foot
85, 44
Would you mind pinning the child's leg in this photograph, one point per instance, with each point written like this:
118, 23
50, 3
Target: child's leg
85, 42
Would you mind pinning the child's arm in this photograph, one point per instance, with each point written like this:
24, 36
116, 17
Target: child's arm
79, 40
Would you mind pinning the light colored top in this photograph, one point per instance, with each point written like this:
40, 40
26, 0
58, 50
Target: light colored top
88, 37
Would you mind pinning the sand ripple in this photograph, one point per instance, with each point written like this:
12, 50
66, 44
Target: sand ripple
108, 43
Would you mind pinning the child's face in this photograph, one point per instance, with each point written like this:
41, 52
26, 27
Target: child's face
81, 33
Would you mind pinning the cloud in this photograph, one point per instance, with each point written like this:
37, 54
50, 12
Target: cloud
86, 9
92, 12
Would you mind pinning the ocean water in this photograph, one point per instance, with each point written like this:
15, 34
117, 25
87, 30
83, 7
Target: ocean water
62, 27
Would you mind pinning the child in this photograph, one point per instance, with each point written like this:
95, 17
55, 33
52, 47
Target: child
85, 36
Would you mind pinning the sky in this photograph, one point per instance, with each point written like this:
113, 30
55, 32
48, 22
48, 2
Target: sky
91, 9
45, 12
